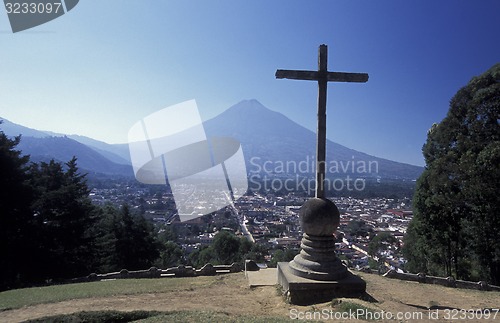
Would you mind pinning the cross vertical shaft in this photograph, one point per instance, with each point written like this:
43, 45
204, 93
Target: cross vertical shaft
321, 131
322, 76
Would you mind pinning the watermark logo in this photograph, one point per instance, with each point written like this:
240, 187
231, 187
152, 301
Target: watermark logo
297, 175
26, 14
170, 146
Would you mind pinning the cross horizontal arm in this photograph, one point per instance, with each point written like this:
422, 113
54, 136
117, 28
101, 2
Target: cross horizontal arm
315, 76
297, 75
347, 77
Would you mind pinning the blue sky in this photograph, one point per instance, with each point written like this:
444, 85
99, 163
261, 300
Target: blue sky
106, 64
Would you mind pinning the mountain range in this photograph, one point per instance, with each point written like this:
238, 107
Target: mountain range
93, 156
271, 143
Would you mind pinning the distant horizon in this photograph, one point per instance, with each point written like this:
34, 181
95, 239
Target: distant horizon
53, 133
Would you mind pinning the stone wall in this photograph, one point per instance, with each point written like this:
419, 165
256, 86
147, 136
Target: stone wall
449, 281
153, 272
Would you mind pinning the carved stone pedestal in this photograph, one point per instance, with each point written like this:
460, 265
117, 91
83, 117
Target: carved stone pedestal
317, 259
316, 274
304, 291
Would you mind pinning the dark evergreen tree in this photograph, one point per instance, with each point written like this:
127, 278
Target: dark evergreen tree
456, 227
49, 228
16, 230
64, 217
126, 240
105, 242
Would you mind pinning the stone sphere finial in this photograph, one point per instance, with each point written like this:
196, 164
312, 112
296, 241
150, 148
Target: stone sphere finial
319, 217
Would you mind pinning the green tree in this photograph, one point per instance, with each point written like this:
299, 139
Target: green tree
203, 256
282, 256
127, 240
245, 247
106, 240
167, 233
358, 228
456, 228
257, 253
16, 230
171, 255
64, 217
226, 248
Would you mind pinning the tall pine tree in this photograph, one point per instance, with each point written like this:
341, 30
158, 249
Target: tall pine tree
64, 218
126, 240
16, 227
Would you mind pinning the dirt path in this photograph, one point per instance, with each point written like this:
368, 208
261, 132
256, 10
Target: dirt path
232, 295
409, 298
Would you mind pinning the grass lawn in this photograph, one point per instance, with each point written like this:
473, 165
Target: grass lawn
49, 294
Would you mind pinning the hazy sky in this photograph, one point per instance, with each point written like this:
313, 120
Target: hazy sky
108, 63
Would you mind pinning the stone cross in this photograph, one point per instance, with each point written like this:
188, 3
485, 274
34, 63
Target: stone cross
322, 76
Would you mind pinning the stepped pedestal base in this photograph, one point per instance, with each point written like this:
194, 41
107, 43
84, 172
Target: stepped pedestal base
304, 291
316, 274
